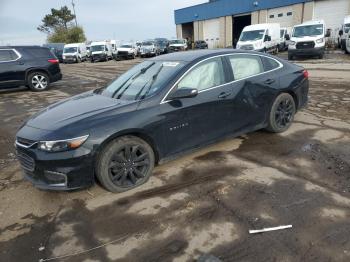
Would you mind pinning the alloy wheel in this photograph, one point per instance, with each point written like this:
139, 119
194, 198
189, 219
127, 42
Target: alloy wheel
129, 165
39, 81
284, 113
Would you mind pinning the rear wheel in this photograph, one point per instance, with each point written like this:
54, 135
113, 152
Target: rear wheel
282, 113
125, 163
38, 81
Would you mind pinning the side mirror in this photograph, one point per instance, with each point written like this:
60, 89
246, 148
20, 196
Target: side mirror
267, 38
328, 33
341, 32
183, 93
287, 37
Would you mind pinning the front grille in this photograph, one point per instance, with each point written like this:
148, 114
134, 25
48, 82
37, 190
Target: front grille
305, 45
122, 52
247, 47
26, 161
25, 142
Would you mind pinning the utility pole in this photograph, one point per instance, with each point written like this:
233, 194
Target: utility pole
75, 16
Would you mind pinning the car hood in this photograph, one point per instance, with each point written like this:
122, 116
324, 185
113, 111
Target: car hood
76, 109
306, 38
177, 45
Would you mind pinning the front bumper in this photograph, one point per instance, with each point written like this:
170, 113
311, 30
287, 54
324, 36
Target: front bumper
99, 57
317, 51
57, 171
124, 55
70, 59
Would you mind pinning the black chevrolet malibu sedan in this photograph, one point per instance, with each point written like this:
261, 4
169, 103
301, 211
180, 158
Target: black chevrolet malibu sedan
160, 108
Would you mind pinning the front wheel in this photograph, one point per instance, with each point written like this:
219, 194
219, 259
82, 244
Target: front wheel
281, 114
125, 163
38, 81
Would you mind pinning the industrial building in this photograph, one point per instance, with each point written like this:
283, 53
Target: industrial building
220, 22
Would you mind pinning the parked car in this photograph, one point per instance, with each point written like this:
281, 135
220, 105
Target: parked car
283, 41
344, 34
138, 47
308, 39
56, 49
32, 66
75, 53
163, 44
260, 37
100, 51
126, 51
160, 108
200, 44
177, 45
149, 48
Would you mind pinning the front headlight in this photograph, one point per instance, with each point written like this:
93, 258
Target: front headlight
64, 57
62, 145
320, 41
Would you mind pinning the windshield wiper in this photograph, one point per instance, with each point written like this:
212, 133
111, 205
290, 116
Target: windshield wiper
153, 79
133, 77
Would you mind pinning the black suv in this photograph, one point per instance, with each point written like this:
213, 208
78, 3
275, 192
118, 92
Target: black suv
33, 66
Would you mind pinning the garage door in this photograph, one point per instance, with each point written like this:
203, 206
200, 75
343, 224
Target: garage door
211, 32
282, 15
332, 12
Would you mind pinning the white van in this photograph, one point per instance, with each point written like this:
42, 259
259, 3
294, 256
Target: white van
260, 37
308, 39
75, 52
100, 51
344, 35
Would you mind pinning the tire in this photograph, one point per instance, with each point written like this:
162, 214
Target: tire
78, 60
38, 81
290, 57
281, 114
119, 171
347, 49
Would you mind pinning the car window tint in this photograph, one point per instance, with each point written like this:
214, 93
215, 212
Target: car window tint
269, 64
206, 75
39, 52
5, 55
245, 65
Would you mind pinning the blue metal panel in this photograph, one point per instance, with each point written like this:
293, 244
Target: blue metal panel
227, 7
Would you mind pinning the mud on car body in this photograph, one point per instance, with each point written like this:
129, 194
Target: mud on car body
119, 133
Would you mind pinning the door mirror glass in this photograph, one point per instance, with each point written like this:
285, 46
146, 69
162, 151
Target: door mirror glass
287, 37
267, 38
183, 93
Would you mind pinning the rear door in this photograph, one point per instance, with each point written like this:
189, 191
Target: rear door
254, 87
11, 68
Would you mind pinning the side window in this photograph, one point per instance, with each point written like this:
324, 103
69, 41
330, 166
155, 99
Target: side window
206, 75
245, 65
269, 64
7, 55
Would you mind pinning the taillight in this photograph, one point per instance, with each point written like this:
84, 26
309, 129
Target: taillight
53, 61
306, 74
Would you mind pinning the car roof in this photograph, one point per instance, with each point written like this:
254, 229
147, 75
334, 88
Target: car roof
188, 56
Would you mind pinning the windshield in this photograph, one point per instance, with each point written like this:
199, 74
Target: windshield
126, 46
308, 30
346, 28
95, 48
142, 80
252, 35
147, 43
176, 41
70, 50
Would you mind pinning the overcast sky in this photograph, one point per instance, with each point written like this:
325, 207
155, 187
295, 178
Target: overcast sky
101, 19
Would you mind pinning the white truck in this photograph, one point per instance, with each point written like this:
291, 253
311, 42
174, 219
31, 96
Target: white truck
260, 37
100, 51
75, 52
308, 39
344, 35
126, 51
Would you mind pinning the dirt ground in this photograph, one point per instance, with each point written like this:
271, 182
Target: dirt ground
201, 203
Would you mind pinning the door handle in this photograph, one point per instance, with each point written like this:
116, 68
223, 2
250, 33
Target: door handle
269, 81
224, 95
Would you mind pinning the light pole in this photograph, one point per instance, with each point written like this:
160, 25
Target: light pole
75, 17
